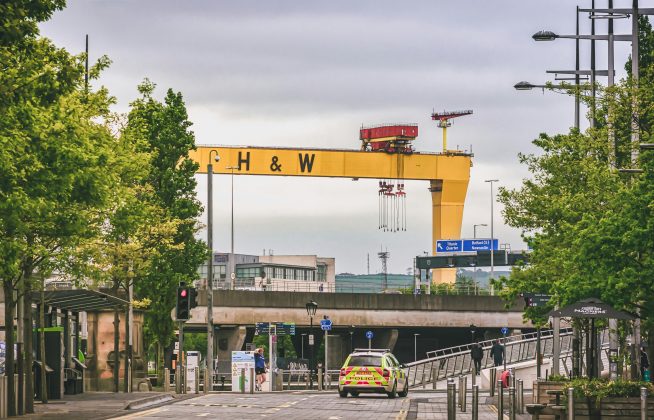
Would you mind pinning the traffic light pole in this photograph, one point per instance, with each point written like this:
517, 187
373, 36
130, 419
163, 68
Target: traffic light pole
208, 376
181, 383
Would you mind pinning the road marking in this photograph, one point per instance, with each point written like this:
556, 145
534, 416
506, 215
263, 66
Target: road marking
143, 413
203, 415
334, 418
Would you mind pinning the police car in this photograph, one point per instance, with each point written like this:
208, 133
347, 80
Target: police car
372, 370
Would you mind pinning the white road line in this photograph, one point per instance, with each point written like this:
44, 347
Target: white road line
143, 413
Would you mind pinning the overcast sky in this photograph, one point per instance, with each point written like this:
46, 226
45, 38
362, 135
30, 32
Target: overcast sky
310, 73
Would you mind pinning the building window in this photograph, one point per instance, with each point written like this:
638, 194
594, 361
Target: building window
322, 272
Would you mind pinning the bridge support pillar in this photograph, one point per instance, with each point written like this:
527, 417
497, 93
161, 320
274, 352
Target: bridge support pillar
229, 339
387, 339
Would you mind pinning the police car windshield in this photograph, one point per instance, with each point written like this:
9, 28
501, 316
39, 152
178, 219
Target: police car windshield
366, 360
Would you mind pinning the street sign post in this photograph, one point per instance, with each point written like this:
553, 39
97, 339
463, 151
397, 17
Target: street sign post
369, 336
535, 300
275, 328
326, 324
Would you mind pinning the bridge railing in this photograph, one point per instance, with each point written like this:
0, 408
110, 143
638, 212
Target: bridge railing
456, 363
489, 343
280, 285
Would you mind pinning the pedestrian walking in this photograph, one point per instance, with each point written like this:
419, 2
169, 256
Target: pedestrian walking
477, 353
644, 365
259, 367
497, 353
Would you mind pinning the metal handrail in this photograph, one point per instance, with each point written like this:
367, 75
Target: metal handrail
440, 367
489, 343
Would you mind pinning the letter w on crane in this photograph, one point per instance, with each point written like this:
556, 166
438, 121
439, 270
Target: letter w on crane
306, 162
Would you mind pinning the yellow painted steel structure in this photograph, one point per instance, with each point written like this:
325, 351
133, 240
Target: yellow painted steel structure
447, 173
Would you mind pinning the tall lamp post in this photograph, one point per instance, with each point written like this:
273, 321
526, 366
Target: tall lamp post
492, 245
352, 338
208, 377
474, 229
415, 347
232, 263
312, 307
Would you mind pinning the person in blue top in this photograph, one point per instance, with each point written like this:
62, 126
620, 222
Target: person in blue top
260, 367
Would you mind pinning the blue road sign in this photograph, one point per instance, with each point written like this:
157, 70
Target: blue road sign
326, 324
504, 330
479, 245
369, 335
449, 245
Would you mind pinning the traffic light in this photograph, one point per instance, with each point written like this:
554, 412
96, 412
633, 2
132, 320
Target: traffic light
193, 297
183, 302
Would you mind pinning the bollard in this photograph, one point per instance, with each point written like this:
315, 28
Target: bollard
320, 379
451, 405
512, 403
521, 397
197, 380
463, 391
241, 381
166, 380
251, 380
308, 381
493, 376
475, 402
289, 379
500, 400
643, 403
434, 372
3, 397
571, 404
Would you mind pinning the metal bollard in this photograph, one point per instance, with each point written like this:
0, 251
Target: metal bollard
166, 380
434, 372
451, 404
512, 408
493, 376
320, 379
241, 381
308, 380
251, 380
475, 402
521, 397
571, 404
500, 400
3, 397
643, 403
463, 391
197, 380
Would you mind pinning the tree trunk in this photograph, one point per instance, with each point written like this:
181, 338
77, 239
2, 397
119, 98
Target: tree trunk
127, 355
44, 373
29, 346
9, 342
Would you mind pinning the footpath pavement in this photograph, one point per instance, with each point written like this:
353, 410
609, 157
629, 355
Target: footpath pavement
102, 405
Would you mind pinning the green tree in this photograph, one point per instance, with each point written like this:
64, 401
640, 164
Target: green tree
163, 132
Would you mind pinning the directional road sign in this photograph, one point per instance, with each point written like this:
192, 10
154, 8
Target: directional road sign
277, 328
504, 330
479, 245
369, 335
536, 299
449, 245
326, 324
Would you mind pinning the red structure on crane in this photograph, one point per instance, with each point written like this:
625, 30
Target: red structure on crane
444, 118
389, 138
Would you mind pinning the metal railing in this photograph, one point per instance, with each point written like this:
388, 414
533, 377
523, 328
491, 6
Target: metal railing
456, 361
279, 285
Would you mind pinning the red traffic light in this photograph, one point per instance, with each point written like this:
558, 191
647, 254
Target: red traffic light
183, 293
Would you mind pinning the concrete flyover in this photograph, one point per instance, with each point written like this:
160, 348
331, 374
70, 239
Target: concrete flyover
245, 308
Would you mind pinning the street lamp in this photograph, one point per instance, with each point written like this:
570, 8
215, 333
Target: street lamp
492, 244
474, 229
232, 263
415, 347
312, 307
208, 378
352, 338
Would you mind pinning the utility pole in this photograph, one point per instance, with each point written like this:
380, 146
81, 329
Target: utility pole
492, 245
208, 377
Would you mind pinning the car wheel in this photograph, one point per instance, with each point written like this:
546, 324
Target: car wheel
405, 391
354, 393
393, 392
342, 394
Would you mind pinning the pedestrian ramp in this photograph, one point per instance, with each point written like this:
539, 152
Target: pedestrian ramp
456, 361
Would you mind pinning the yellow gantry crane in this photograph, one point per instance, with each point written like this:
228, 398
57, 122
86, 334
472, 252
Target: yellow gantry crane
448, 175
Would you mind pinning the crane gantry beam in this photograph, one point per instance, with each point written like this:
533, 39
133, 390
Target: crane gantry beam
447, 173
